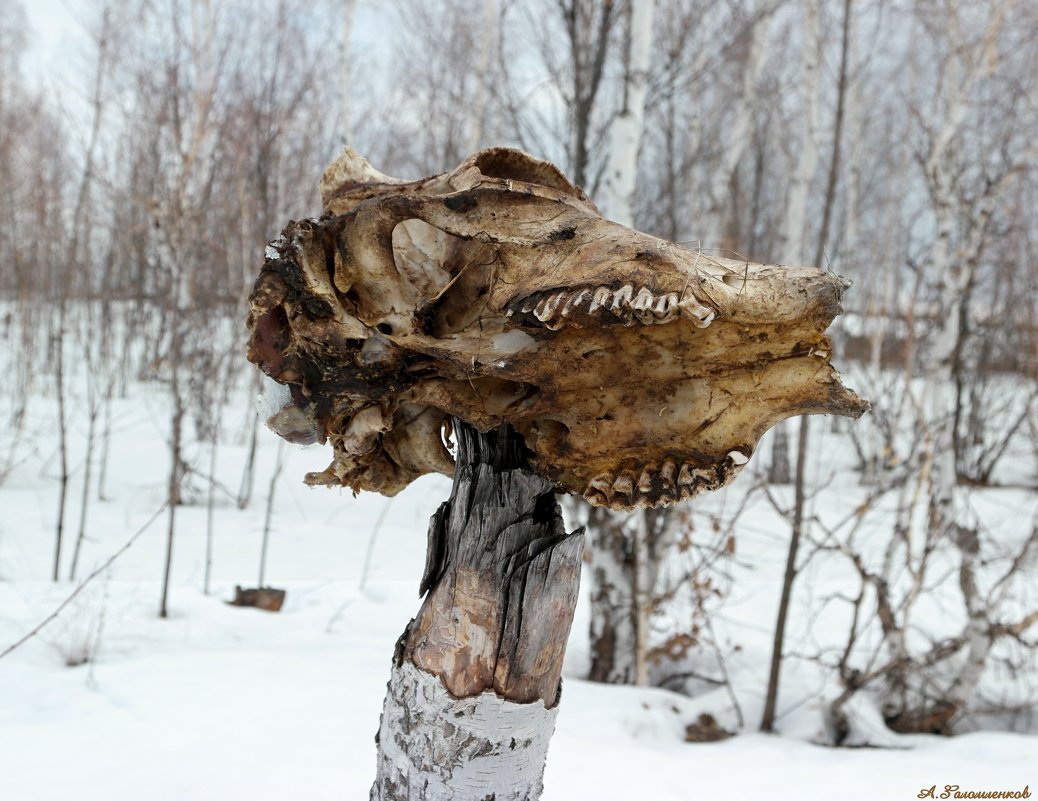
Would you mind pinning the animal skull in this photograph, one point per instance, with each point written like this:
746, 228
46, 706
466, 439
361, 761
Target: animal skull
638, 372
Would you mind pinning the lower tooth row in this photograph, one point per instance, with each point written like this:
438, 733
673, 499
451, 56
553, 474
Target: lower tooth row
634, 488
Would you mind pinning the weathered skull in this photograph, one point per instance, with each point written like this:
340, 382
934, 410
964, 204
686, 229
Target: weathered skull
638, 372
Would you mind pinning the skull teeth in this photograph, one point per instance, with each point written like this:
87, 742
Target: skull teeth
644, 300
624, 485
662, 485
601, 298
545, 310
700, 315
629, 303
575, 301
667, 473
621, 298
603, 483
665, 303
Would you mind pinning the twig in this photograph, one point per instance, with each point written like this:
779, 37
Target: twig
97, 572
371, 543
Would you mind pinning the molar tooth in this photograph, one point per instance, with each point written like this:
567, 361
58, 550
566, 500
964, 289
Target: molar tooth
667, 473
666, 304
575, 300
707, 319
644, 300
708, 476
686, 477
700, 315
621, 298
603, 483
645, 482
624, 485
546, 308
645, 317
601, 298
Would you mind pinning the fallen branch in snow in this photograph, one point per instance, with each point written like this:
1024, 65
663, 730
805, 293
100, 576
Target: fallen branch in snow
97, 572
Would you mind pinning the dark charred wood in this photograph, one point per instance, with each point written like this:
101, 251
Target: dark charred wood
501, 576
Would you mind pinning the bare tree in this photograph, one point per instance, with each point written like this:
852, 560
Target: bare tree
800, 500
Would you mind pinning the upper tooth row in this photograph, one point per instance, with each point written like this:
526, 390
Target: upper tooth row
637, 488
648, 308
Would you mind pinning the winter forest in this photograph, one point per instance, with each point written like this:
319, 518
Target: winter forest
855, 614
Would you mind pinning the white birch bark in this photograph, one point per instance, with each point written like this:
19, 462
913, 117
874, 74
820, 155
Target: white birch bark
620, 597
479, 104
737, 135
959, 230
612, 630
626, 131
628, 573
952, 268
795, 220
435, 747
643, 592
345, 79
806, 145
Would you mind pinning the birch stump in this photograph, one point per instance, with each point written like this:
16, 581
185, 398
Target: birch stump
475, 682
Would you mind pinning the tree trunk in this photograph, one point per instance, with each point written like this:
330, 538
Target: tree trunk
800, 494
63, 438
739, 131
780, 472
92, 411
612, 598
622, 170
475, 682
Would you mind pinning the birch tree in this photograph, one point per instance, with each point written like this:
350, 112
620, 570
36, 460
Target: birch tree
756, 48
614, 639
961, 214
626, 132
804, 152
806, 166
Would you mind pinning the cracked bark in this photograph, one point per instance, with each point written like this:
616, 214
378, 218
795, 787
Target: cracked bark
475, 682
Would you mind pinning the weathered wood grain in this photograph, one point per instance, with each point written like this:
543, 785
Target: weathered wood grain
476, 676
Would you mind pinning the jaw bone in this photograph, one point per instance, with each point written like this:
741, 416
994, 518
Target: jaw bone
638, 372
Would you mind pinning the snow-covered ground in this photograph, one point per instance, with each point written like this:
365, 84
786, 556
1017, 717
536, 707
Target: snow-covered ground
218, 701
